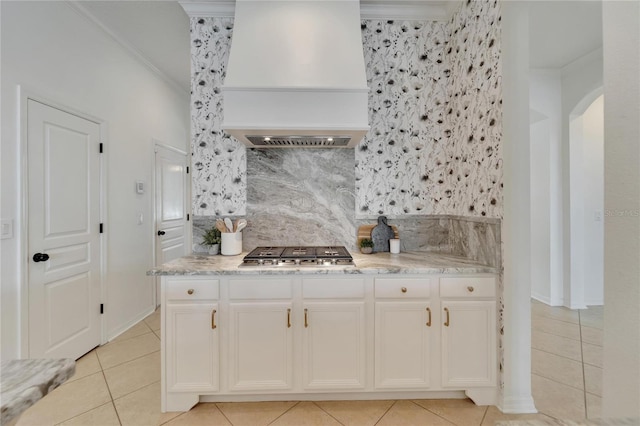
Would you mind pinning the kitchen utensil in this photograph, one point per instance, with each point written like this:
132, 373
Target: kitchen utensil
229, 224
240, 224
220, 226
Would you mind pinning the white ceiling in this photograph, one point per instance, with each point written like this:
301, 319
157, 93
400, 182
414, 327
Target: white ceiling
563, 31
158, 31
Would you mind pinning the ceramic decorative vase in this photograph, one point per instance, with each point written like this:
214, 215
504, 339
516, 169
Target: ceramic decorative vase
214, 249
366, 250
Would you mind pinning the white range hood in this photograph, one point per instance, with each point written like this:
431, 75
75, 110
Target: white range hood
296, 75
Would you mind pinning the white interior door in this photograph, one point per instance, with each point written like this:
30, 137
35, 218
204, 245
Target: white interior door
171, 206
64, 273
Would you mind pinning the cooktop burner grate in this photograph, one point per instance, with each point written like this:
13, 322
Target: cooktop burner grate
299, 255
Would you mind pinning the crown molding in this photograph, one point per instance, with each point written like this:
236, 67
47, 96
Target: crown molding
406, 11
209, 9
132, 50
412, 10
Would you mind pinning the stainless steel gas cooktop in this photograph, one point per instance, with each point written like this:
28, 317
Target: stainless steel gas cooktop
298, 256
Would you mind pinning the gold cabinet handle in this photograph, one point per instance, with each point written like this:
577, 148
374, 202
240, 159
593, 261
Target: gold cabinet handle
190, 291
306, 318
470, 289
429, 317
289, 318
213, 320
446, 323
403, 289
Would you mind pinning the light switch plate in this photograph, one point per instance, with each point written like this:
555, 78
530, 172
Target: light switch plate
6, 228
140, 187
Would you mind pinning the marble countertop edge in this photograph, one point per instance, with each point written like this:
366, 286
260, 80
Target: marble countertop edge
373, 264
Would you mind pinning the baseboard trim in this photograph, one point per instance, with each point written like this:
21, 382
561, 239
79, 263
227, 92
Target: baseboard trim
517, 405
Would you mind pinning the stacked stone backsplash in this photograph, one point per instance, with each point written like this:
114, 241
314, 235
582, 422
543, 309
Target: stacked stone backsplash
431, 161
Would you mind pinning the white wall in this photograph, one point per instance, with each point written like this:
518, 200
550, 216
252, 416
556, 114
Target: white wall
621, 378
545, 89
581, 80
563, 95
593, 201
55, 52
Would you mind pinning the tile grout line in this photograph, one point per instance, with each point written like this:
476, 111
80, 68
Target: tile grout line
385, 413
328, 413
285, 412
584, 380
221, 412
484, 416
113, 404
129, 360
435, 414
561, 356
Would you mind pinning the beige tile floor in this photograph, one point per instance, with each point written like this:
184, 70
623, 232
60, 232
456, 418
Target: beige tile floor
119, 384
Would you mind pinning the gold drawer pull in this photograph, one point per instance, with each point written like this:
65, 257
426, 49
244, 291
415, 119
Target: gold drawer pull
429, 316
289, 318
213, 320
403, 289
446, 323
190, 291
470, 289
306, 319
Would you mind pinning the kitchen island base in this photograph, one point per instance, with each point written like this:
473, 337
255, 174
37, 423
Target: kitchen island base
187, 401
349, 336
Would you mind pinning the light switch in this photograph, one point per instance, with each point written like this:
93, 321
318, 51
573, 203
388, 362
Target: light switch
6, 228
139, 187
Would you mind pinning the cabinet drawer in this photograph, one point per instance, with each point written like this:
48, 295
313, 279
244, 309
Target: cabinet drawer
268, 288
323, 288
192, 289
402, 288
468, 287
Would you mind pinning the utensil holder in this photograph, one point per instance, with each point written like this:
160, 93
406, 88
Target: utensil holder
231, 243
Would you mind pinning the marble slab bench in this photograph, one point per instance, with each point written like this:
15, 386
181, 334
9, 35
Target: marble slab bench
23, 382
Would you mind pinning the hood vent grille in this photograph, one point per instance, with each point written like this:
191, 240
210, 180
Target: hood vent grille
299, 141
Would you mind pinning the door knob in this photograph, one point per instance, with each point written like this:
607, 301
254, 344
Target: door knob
40, 257
161, 232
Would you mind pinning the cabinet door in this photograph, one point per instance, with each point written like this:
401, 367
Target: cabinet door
468, 343
192, 354
334, 345
403, 333
260, 346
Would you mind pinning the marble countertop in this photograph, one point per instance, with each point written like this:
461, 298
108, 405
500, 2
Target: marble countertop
377, 263
23, 382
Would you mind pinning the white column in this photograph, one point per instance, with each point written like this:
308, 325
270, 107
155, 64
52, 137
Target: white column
516, 395
621, 360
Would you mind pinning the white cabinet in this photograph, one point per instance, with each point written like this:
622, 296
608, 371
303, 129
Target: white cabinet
333, 345
287, 337
190, 341
260, 346
260, 339
468, 332
403, 333
333, 334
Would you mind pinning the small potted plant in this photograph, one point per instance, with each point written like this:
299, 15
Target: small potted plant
366, 246
211, 238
